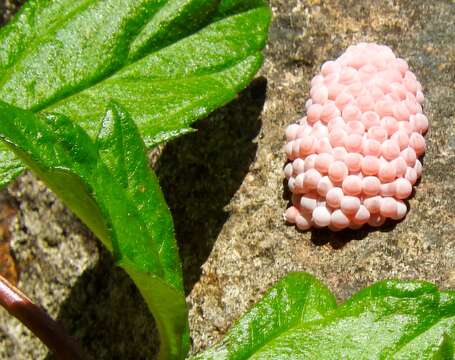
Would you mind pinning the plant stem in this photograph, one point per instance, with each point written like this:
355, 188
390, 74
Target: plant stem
39, 322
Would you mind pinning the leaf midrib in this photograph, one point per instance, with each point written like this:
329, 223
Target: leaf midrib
333, 312
294, 324
110, 75
430, 325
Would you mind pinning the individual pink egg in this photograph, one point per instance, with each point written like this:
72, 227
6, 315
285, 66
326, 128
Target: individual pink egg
348, 75
288, 170
299, 184
330, 67
370, 165
419, 97
373, 204
331, 79
310, 161
323, 146
370, 119
356, 89
319, 131
387, 172
413, 106
362, 216
401, 138
291, 214
352, 185
317, 80
291, 132
390, 150
390, 124
314, 113
350, 205
421, 122
403, 188
320, 94
343, 99
384, 107
303, 131
339, 220
335, 89
401, 111
354, 162
401, 210
288, 149
406, 127
377, 133
291, 184
337, 137
334, 197
338, 171
351, 113
336, 123
355, 127
398, 92
417, 142
371, 147
411, 175
410, 82
409, 155
323, 162
371, 185
308, 202
418, 168
324, 186
388, 189
308, 103
339, 153
312, 178
367, 72
298, 166
402, 66
353, 143
321, 216
306, 144
388, 207
365, 102
400, 166
329, 111
302, 223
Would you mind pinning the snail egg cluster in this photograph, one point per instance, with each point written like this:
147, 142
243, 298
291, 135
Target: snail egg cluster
354, 157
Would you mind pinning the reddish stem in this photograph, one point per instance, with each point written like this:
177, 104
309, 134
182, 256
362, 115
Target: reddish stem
39, 322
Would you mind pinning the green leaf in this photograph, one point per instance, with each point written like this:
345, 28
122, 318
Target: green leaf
107, 182
297, 298
168, 62
389, 320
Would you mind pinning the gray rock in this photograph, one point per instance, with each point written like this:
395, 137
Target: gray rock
224, 185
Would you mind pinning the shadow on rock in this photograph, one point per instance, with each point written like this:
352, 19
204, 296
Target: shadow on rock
107, 315
200, 172
338, 240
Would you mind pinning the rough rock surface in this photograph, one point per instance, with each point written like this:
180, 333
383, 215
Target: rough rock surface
225, 187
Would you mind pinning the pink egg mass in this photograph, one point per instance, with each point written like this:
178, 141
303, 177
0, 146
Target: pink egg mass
354, 157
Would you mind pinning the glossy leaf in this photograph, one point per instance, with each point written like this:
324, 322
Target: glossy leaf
108, 184
295, 299
389, 320
168, 62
